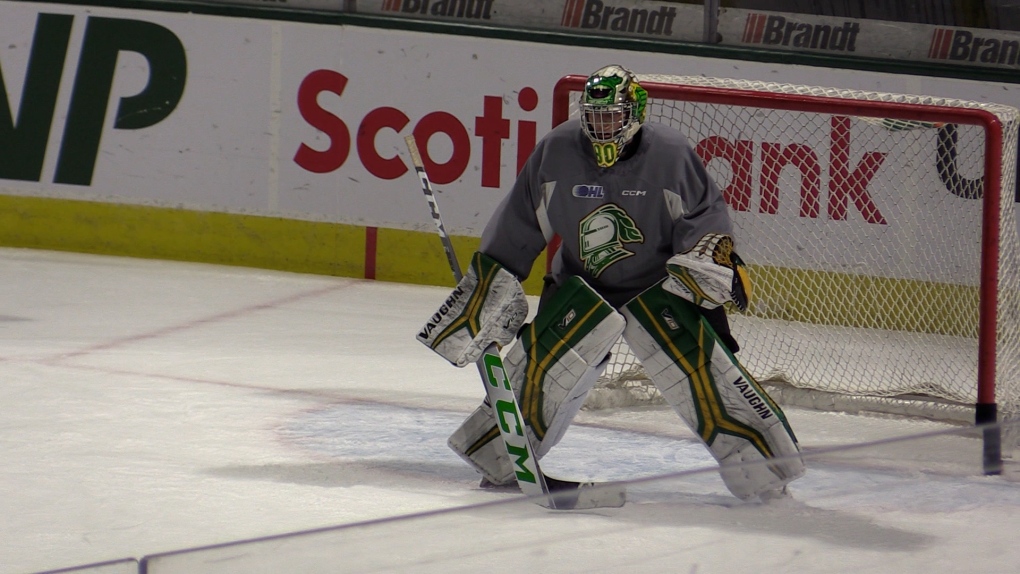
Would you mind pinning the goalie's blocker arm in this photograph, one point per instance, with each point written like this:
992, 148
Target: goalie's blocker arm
487, 306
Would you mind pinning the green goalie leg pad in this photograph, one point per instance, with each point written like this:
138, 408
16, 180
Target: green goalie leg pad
742, 426
551, 367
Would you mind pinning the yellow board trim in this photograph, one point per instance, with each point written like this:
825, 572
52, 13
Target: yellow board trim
322, 248
417, 257
177, 234
848, 300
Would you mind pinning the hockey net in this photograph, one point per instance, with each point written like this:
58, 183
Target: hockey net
881, 239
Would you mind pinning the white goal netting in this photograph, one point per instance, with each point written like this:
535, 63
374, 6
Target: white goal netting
864, 221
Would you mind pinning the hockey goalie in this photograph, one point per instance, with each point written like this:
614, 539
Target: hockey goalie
646, 252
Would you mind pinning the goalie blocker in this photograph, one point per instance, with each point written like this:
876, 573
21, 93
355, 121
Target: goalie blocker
487, 306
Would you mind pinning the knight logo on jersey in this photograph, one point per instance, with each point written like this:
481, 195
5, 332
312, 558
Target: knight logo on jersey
602, 235
589, 191
472, 9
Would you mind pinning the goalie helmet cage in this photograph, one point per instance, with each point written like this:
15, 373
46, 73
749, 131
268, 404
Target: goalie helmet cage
881, 238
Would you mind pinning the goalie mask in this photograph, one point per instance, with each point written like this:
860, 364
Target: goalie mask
612, 111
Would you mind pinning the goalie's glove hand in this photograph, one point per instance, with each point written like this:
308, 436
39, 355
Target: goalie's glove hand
487, 306
710, 274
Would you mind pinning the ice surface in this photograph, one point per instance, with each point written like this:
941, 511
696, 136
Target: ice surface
151, 407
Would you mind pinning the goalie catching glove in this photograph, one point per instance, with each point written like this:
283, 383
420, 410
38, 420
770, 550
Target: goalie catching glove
709, 274
487, 306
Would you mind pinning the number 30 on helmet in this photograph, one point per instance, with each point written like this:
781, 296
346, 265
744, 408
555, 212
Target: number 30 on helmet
612, 111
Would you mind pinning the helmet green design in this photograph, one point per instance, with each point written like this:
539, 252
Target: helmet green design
612, 111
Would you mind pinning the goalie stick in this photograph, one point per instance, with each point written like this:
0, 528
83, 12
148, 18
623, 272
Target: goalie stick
549, 492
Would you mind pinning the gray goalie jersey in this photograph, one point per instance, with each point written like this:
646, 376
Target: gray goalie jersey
618, 225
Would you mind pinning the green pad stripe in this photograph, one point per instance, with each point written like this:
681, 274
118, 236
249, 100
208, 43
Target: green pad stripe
689, 341
566, 319
485, 439
755, 387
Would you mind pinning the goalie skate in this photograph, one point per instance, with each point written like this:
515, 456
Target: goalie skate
573, 495
570, 495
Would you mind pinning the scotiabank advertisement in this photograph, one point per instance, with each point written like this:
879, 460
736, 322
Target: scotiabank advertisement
307, 121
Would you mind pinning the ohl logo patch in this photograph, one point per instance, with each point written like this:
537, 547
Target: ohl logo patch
589, 191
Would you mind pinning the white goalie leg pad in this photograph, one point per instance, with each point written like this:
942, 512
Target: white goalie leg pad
551, 368
704, 383
559, 401
478, 442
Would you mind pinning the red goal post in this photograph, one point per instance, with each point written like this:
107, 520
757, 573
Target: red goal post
900, 213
